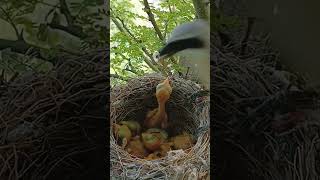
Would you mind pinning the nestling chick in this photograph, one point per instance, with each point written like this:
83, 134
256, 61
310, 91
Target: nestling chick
154, 156
159, 132
134, 126
122, 133
165, 148
151, 141
183, 141
136, 147
159, 116
162, 152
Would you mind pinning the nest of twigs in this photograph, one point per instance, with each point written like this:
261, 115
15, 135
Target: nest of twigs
49, 120
250, 91
133, 100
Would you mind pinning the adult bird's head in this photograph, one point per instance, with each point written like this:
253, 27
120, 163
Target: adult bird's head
189, 36
191, 41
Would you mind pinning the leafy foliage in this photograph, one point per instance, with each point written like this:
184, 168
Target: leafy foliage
15, 64
83, 20
128, 59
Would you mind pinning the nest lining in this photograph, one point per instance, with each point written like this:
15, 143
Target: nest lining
132, 101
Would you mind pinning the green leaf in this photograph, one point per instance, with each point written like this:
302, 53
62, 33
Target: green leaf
53, 39
20, 68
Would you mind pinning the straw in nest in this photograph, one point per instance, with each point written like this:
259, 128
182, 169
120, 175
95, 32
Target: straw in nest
134, 100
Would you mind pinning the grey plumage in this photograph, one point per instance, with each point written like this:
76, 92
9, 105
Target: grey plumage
191, 41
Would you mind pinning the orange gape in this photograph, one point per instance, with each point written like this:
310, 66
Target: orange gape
158, 116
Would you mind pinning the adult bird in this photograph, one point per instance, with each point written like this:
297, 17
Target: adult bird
191, 42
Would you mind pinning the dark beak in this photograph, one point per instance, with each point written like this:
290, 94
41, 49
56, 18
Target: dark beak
179, 45
166, 52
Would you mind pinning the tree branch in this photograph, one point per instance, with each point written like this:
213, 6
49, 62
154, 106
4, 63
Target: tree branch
74, 30
147, 9
199, 6
47, 4
169, 5
128, 66
19, 46
166, 29
130, 70
126, 31
65, 11
9, 20
137, 41
22, 47
71, 28
118, 77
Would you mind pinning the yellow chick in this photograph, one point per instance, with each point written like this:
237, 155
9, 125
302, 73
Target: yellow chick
153, 156
183, 141
123, 133
134, 126
165, 148
151, 141
158, 132
158, 116
136, 147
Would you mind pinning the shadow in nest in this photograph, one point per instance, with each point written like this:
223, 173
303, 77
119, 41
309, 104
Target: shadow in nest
138, 97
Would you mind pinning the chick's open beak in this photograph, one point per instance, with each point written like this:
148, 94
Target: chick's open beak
166, 81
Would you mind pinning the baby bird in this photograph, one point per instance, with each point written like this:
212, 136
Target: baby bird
136, 147
122, 134
151, 141
134, 126
159, 116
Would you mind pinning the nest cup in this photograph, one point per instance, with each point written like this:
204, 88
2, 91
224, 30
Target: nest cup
133, 100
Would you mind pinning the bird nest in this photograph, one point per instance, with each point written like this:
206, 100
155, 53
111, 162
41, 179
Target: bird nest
250, 138
52, 124
133, 100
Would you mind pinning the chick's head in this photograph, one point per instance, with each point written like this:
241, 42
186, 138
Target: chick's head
163, 90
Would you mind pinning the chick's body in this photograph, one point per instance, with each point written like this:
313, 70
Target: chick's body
183, 141
165, 148
136, 148
158, 116
123, 133
151, 142
133, 126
